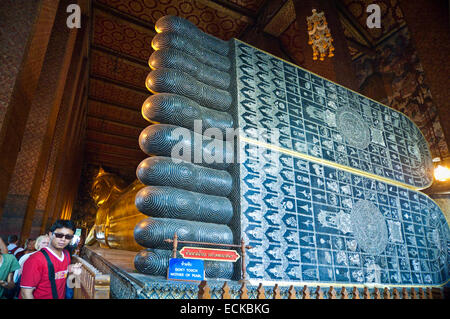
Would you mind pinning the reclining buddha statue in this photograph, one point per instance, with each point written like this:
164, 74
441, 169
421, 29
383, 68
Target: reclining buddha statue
117, 214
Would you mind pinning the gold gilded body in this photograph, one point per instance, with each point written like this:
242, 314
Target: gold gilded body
117, 214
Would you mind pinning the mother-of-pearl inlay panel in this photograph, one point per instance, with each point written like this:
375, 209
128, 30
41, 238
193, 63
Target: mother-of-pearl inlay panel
327, 181
319, 118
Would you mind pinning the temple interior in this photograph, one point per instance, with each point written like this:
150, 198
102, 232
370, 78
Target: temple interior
75, 86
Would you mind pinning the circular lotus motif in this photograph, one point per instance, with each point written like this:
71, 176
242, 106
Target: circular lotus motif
352, 127
369, 227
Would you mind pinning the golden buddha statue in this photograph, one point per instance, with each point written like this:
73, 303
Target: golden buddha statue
117, 214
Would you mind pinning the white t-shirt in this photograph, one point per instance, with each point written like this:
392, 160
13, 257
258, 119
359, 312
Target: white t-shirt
22, 260
12, 246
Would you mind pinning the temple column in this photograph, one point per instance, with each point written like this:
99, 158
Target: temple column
428, 25
66, 117
26, 27
35, 149
69, 154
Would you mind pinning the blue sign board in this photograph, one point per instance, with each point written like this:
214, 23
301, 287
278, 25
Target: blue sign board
186, 269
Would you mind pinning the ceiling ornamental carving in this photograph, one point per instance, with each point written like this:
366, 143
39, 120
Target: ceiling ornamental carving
121, 36
210, 18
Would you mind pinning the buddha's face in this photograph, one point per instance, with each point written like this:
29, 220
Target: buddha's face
100, 191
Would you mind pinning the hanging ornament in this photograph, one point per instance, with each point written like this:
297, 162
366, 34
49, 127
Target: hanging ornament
319, 36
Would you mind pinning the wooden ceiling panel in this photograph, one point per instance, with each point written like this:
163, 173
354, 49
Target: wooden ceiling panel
119, 69
115, 94
95, 147
207, 15
102, 125
122, 36
113, 160
105, 138
116, 113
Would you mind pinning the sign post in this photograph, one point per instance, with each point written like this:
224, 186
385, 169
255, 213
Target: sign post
209, 254
186, 269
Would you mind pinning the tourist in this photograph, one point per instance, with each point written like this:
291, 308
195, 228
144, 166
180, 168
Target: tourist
3, 249
27, 248
35, 281
8, 265
13, 247
40, 242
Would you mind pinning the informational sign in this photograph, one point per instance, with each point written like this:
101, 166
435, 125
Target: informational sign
209, 254
186, 269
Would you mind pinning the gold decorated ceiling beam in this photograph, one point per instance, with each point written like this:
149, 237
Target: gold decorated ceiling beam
223, 5
254, 33
281, 20
361, 48
353, 26
390, 33
225, 10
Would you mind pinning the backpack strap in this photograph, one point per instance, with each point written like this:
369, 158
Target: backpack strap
67, 254
51, 274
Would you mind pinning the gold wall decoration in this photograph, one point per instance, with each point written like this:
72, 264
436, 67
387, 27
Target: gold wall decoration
319, 36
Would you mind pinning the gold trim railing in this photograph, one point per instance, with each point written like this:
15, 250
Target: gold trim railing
91, 283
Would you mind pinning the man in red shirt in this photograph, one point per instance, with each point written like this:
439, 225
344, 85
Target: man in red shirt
35, 282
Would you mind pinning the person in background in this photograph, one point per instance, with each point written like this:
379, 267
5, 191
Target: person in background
28, 248
3, 249
40, 242
35, 282
79, 246
13, 247
8, 265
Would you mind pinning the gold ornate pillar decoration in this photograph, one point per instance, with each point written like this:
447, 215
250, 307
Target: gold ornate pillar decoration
319, 36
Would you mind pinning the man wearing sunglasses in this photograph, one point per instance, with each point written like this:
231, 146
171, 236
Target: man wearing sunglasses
45, 273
